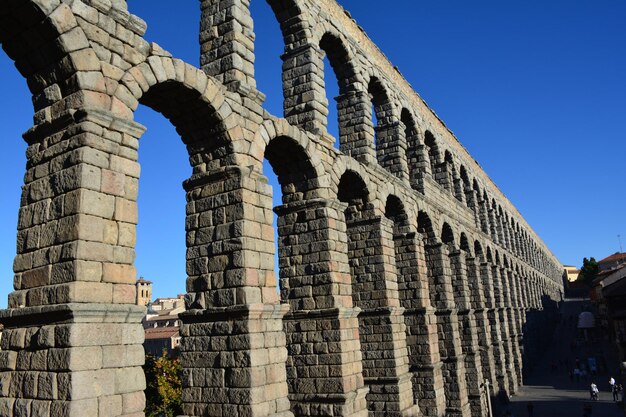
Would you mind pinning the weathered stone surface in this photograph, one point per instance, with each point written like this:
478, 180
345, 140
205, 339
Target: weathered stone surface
405, 277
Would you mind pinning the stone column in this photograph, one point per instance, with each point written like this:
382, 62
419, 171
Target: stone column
503, 324
459, 194
324, 367
72, 339
442, 297
391, 148
518, 314
472, 202
233, 345
483, 328
421, 325
355, 126
227, 45
511, 319
483, 215
305, 103
442, 176
468, 329
381, 321
493, 224
494, 324
417, 161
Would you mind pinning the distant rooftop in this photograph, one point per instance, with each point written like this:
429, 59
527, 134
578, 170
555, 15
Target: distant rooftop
617, 256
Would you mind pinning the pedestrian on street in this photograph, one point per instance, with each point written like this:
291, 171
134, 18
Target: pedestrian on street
593, 391
531, 409
616, 390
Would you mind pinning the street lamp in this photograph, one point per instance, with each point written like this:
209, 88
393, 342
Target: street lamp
488, 397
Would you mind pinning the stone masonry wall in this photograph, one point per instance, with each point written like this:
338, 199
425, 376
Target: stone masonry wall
406, 278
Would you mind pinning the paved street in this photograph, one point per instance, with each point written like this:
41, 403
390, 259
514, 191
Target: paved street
553, 392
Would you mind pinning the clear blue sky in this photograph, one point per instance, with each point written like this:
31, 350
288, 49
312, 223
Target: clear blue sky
535, 90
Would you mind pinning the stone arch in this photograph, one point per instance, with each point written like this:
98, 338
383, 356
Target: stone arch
294, 24
352, 189
466, 188
502, 235
56, 45
417, 162
478, 250
341, 59
489, 255
434, 155
372, 250
447, 234
293, 167
343, 164
426, 227
464, 244
274, 128
482, 218
381, 103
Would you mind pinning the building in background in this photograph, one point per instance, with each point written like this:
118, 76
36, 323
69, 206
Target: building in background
162, 325
144, 292
571, 273
612, 261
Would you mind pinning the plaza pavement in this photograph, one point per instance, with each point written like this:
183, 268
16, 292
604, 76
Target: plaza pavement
553, 393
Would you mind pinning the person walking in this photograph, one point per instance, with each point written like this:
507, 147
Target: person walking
593, 391
615, 389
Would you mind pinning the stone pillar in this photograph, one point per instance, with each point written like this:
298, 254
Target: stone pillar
511, 320
391, 148
305, 103
503, 324
483, 329
355, 126
469, 338
421, 325
518, 325
442, 297
494, 324
442, 176
483, 215
458, 187
381, 321
72, 339
227, 45
493, 224
417, 161
472, 202
507, 235
324, 368
233, 345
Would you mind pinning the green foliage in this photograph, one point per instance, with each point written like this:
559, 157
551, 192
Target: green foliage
164, 388
589, 270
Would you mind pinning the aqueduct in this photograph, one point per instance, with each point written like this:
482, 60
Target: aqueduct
406, 277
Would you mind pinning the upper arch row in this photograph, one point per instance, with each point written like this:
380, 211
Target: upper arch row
393, 106
409, 141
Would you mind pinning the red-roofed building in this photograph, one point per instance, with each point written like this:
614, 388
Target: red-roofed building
161, 338
612, 261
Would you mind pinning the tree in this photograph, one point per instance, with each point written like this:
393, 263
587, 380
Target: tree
589, 270
163, 386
